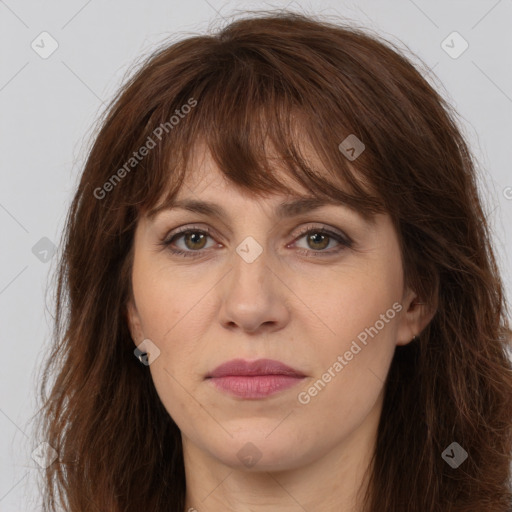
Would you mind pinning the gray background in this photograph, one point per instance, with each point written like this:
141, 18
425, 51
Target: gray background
48, 107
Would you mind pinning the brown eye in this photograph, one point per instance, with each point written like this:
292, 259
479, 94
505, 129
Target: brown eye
194, 240
318, 241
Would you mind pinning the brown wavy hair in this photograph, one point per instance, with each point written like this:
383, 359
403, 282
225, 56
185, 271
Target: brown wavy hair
265, 82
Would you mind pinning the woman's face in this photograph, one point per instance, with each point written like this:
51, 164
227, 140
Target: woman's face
257, 287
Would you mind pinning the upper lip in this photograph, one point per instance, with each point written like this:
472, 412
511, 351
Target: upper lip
258, 367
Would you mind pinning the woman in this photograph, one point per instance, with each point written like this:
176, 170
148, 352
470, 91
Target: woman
278, 291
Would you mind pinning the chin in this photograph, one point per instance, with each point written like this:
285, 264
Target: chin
254, 451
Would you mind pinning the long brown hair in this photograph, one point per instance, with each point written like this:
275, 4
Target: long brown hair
266, 82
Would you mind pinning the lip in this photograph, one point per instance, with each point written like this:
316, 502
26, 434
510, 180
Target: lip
241, 367
254, 379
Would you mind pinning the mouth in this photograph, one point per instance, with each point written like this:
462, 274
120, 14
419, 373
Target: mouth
260, 367
254, 379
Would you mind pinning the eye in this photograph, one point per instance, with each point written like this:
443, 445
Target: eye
318, 239
193, 238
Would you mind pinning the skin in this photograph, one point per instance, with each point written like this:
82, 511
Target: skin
304, 311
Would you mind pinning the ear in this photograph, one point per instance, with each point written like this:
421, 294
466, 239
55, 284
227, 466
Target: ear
134, 323
414, 317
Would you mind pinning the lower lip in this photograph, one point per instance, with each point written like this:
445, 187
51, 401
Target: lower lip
256, 386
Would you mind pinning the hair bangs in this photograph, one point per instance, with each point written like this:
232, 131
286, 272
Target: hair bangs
254, 130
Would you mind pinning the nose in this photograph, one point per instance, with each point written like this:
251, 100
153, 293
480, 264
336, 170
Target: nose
253, 297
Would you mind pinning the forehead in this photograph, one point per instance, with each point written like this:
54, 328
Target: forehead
203, 176
210, 193
229, 175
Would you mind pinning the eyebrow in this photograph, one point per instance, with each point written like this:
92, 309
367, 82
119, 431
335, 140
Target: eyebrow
286, 209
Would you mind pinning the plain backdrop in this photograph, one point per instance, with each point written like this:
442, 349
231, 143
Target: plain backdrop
49, 104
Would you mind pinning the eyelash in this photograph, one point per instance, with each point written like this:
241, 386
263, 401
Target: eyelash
344, 241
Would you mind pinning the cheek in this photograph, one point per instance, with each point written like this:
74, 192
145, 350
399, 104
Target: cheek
167, 301
175, 321
344, 304
347, 386
358, 325
178, 398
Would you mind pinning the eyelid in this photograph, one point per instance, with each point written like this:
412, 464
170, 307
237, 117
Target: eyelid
185, 229
326, 230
